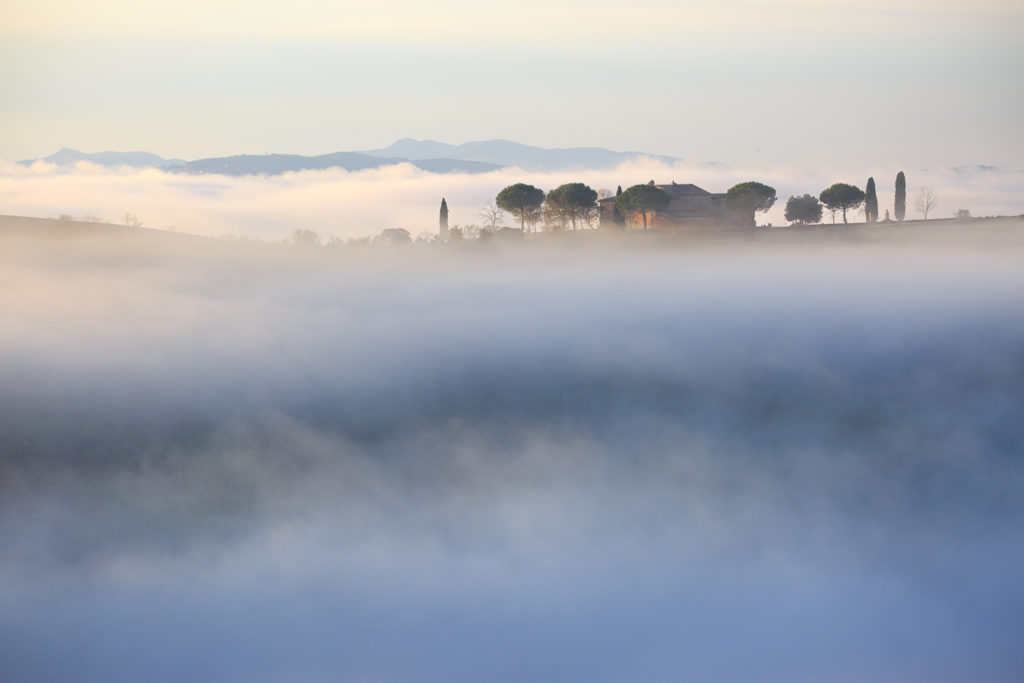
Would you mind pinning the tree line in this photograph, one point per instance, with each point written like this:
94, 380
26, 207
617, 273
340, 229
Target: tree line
843, 198
574, 205
571, 206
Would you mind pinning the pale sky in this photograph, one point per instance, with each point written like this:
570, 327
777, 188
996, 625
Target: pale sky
777, 82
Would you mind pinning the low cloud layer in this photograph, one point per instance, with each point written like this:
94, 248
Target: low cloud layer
769, 461
342, 204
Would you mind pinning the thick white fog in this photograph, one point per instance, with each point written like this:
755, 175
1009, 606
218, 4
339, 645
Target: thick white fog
770, 459
342, 204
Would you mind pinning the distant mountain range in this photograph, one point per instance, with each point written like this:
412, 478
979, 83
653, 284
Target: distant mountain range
66, 157
429, 155
508, 153
432, 156
275, 164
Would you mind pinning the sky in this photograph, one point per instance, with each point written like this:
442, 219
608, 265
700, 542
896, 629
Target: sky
917, 84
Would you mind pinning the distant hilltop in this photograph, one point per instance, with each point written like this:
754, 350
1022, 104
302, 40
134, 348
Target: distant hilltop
67, 157
508, 153
428, 155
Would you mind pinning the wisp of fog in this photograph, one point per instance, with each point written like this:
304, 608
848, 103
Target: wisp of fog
352, 204
770, 459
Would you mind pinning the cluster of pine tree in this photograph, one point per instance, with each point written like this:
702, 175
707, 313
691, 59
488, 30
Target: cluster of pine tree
843, 197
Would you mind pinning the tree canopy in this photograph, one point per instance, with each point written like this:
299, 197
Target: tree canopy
841, 196
751, 196
803, 210
571, 201
641, 199
520, 199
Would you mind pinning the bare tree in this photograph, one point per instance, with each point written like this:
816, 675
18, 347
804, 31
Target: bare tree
132, 221
926, 200
491, 214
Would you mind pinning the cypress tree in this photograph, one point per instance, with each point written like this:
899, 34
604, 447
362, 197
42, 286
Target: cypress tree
901, 196
443, 223
871, 202
620, 218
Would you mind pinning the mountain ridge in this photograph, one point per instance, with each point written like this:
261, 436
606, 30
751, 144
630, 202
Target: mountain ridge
276, 164
136, 159
510, 153
479, 156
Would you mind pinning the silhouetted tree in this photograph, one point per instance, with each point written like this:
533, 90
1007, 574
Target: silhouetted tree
841, 196
751, 196
443, 221
870, 202
393, 236
491, 213
571, 201
619, 218
305, 238
900, 209
925, 200
520, 198
804, 209
642, 199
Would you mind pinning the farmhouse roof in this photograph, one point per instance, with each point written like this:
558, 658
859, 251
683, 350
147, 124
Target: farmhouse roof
676, 190
687, 190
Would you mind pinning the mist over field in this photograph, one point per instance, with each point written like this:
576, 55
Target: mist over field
343, 204
774, 458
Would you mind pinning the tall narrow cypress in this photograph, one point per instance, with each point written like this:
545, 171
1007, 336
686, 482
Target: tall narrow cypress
443, 223
871, 202
901, 196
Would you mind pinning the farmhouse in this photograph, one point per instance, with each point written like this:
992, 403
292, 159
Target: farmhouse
689, 206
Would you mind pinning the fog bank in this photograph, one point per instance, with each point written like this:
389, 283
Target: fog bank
765, 460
